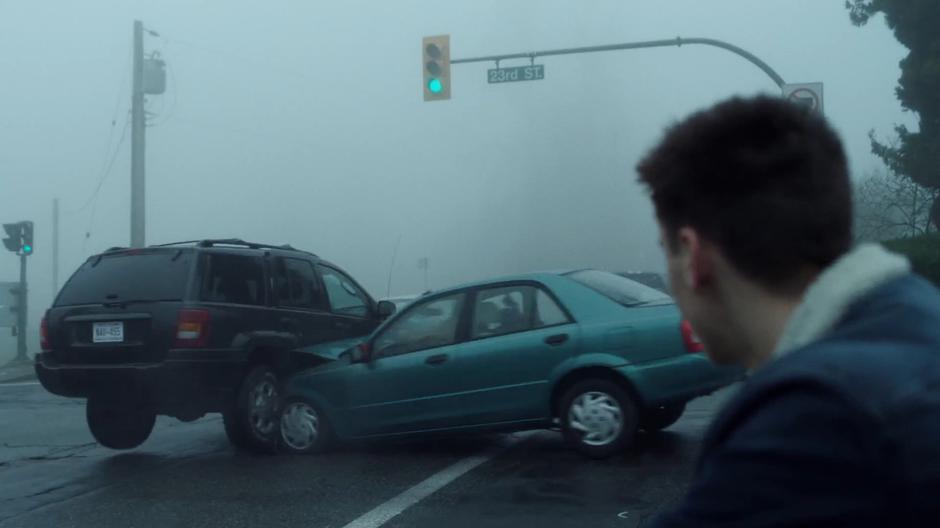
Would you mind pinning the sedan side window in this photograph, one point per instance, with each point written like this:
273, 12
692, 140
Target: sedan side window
510, 309
428, 325
547, 311
503, 310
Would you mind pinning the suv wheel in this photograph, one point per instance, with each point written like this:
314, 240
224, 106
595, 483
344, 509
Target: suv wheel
598, 418
118, 425
252, 422
303, 428
661, 417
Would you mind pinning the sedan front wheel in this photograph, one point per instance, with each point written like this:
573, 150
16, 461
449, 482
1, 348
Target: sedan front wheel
303, 428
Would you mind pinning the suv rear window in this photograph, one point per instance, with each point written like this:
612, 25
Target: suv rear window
619, 289
132, 276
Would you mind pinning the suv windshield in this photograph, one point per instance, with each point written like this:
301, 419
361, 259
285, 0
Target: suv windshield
619, 289
116, 277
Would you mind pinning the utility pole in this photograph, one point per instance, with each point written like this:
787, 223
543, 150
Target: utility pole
138, 131
21, 313
55, 246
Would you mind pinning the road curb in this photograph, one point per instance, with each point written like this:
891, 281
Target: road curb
19, 379
15, 372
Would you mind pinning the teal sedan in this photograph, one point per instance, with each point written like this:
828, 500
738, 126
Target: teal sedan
591, 352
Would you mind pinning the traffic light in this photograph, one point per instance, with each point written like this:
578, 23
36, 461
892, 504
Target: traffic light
436, 67
14, 239
19, 237
27, 238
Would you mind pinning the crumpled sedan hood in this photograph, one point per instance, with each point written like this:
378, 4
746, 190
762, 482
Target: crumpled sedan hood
333, 349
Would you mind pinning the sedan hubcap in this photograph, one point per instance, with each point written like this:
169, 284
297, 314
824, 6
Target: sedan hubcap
597, 416
263, 402
300, 426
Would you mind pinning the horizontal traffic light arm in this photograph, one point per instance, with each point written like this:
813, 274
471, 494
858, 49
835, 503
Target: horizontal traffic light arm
678, 41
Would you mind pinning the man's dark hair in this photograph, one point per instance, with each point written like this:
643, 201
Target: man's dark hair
763, 179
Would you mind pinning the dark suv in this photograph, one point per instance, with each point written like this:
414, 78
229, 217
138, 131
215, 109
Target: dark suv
191, 328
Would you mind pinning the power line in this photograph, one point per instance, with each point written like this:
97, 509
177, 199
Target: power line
106, 170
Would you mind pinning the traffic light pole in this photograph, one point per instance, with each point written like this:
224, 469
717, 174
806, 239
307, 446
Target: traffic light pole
678, 41
138, 131
21, 313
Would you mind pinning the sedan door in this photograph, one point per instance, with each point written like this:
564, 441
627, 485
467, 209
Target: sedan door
409, 383
518, 334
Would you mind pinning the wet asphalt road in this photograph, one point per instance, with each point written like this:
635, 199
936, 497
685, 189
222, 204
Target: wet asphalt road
53, 474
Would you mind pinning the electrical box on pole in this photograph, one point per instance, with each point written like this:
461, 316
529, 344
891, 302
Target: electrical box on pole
154, 81
435, 54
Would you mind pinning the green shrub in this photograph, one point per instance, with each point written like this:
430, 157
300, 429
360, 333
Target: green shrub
924, 253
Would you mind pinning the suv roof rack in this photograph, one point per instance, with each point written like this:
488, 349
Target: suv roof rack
237, 242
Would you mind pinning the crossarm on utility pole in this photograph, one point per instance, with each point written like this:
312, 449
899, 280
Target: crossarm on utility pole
678, 41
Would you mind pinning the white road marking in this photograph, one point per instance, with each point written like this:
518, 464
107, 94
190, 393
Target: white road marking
384, 512
19, 384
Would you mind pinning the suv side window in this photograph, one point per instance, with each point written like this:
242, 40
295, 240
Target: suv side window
296, 284
510, 309
426, 325
236, 279
345, 297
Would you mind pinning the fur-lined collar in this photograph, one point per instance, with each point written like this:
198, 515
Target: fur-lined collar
832, 293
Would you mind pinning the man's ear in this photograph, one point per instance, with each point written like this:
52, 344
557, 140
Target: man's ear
696, 260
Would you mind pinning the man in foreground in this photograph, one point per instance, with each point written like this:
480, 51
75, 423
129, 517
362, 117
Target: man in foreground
839, 423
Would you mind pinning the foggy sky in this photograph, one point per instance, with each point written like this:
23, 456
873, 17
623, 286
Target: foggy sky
302, 122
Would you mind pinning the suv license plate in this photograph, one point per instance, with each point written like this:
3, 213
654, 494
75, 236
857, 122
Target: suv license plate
108, 332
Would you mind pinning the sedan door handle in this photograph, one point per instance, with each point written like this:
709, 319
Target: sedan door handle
556, 339
436, 359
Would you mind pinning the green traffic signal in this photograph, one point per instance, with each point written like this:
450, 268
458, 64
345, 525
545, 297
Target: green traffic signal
435, 86
27, 249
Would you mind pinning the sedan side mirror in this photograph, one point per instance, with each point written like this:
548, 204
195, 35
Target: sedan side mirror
386, 309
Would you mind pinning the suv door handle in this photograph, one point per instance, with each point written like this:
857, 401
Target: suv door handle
556, 339
436, 359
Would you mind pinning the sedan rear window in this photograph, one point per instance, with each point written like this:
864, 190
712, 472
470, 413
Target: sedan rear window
619, 289
130, 276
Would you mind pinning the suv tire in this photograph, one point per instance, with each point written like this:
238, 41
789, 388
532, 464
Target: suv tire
118, 425
252, 423
598, 418
658, 418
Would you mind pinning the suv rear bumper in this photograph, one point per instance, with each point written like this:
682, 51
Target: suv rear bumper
173, 381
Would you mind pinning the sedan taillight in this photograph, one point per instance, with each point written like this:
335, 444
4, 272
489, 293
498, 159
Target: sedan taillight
692, 343
192, 328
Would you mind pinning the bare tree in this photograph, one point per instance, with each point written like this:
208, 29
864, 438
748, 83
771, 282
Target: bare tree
889, 205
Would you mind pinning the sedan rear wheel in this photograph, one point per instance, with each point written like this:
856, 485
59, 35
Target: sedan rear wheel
598, 418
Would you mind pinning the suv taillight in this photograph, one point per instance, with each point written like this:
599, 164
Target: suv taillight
44, 335
192, 328
692, 343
